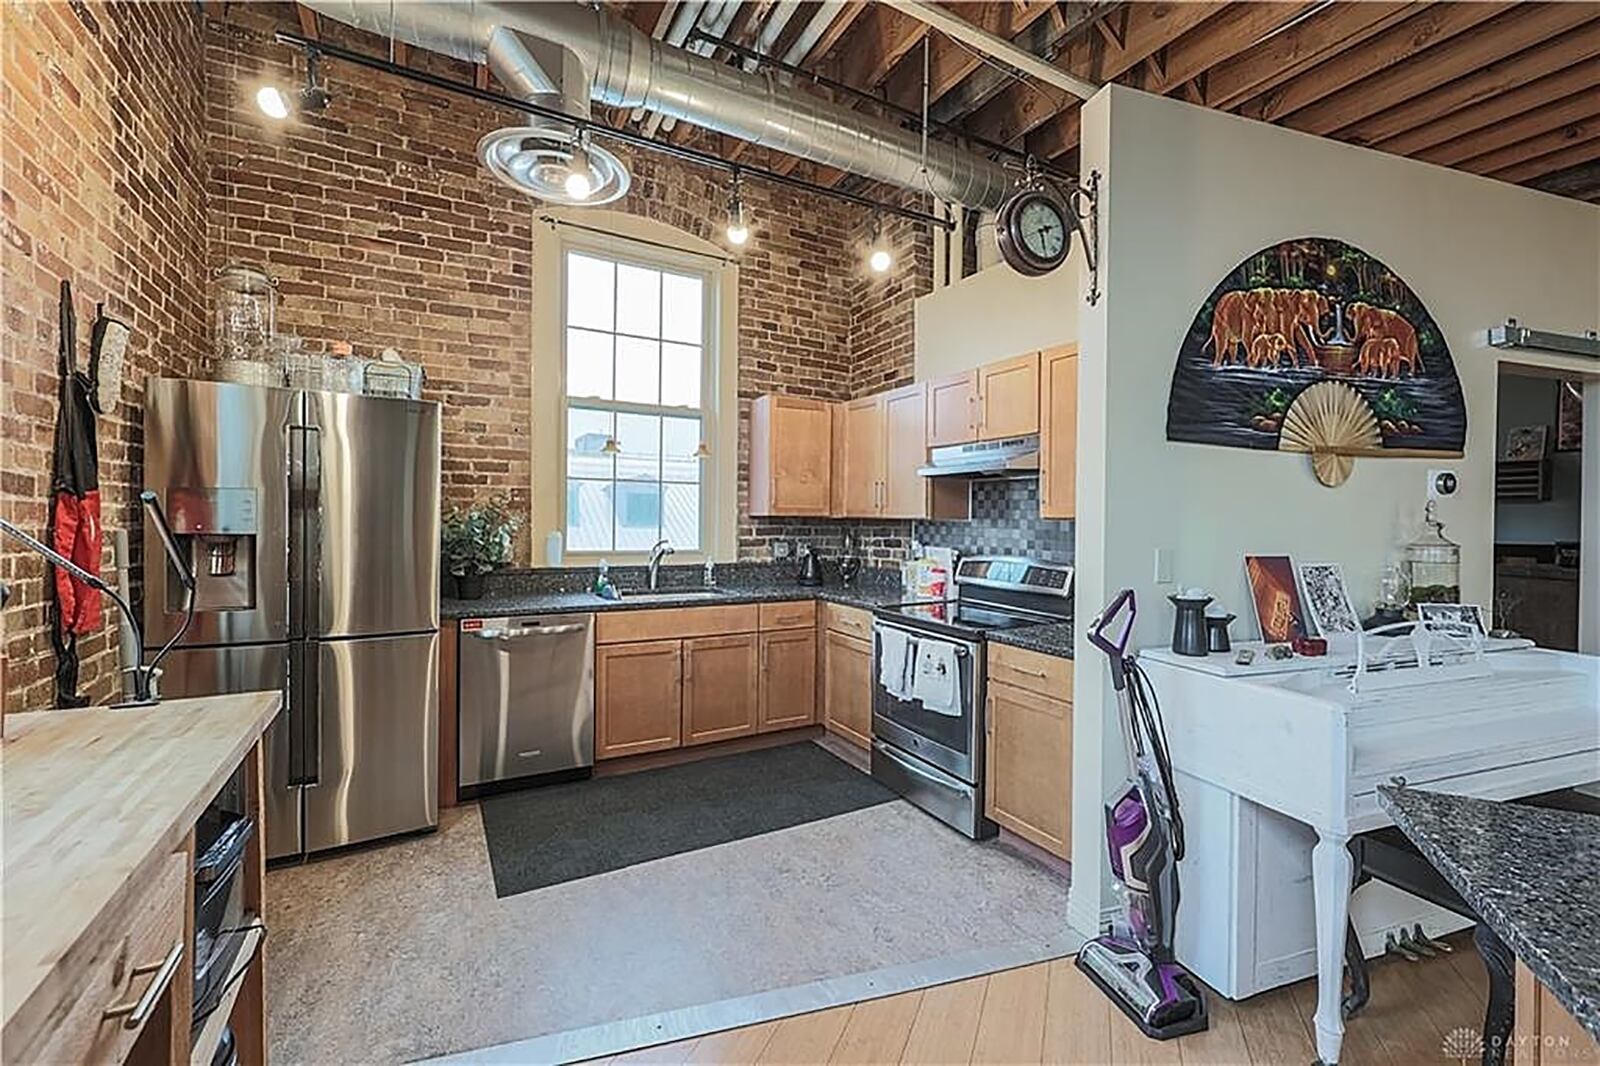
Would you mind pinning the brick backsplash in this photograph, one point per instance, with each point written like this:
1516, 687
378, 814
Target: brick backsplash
1005, 521
104, 186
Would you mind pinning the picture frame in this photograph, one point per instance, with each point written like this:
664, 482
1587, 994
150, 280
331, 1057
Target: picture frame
1569, 415
1327, 599
1525, 443
1470, 614
1275, 598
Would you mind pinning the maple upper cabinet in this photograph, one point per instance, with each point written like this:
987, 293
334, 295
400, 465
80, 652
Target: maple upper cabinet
953, 410
1008, 398
883, 442
861, 447
791, 456
905, 450
1058, 432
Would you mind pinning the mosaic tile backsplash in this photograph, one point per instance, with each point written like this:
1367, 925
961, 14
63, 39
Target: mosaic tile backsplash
1005, 521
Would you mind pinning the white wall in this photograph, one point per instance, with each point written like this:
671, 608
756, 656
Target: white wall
993, 314
1187, 194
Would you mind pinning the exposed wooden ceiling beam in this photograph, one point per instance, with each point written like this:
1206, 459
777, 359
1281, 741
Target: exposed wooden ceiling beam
1058, 137
1433, 25
878, 43
1470, 51
1043, 38
1584, 151
1540, 120
949, 61
1537, 148
847, 17
1231, 31
1299, 48
1501, 89
310, 22
1149, 28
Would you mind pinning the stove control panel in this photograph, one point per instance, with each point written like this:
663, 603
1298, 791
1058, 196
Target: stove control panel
1010, 572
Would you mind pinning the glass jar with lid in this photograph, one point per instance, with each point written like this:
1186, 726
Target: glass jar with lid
246, 302
1433, 563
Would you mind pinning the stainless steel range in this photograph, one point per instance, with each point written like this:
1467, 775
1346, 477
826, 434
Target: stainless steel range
929, 674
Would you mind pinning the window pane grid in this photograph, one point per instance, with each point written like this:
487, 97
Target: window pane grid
635, 360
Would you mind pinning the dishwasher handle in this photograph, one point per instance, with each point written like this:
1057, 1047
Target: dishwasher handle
530, 631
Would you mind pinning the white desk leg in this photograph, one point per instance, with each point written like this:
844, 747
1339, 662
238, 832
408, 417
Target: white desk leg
1330, 873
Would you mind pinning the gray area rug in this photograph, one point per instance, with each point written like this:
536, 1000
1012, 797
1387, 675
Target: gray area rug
545, 836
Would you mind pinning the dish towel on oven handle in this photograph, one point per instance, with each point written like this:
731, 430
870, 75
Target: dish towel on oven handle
937, 682
897, 653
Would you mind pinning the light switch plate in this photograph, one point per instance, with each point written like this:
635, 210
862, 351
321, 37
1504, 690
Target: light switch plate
1163, 566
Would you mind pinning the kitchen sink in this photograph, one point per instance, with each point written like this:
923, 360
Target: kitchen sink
647, 595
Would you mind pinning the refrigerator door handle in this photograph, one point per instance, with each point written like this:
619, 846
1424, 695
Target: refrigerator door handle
311, 711
305, 730
310, 573
297, 533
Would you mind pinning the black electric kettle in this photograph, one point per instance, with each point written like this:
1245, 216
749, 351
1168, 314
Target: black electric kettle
810, 567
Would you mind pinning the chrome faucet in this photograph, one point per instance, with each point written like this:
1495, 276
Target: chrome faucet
661, 549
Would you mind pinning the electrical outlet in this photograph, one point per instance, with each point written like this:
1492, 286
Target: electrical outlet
1442, 483
780, 549
1163, 566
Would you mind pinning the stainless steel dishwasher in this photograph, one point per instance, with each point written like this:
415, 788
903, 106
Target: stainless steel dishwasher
526, 698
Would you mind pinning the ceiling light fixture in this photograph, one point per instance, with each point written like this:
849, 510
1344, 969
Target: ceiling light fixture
272, 102
880, 259
738, 230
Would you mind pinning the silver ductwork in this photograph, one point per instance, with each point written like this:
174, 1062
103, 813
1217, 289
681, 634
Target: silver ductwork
625, 68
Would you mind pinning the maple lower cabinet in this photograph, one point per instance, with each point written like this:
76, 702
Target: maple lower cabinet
791, 456
953, 409
788, 680
1058, 432
719, 688
1008, 398
1546, 1033
847, 699
1028, 757
638, 697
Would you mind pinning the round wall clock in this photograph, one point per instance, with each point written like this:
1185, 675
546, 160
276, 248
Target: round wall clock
1033, 230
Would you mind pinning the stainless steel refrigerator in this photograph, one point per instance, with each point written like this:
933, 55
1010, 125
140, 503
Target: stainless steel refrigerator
311, 522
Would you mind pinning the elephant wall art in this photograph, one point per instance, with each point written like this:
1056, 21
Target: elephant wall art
1314, 346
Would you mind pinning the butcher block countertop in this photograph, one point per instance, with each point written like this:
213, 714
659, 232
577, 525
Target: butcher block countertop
95, 801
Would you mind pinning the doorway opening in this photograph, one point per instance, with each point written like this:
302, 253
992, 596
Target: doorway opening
1541, 490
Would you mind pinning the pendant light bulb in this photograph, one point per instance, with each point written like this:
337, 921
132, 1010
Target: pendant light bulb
272, 102
879, 259
738, 231
579, 183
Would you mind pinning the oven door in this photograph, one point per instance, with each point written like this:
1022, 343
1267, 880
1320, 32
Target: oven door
947, 741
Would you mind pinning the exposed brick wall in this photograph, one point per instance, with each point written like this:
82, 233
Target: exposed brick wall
386, 231
103, 185
882, 319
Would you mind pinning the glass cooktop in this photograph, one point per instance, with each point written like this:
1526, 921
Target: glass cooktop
969, 616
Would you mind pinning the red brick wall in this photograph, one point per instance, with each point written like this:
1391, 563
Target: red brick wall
385, 231
103, 186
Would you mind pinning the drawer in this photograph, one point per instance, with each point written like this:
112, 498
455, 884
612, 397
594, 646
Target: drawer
1047, 675
120, 973
851, 621
673, 623
800, 614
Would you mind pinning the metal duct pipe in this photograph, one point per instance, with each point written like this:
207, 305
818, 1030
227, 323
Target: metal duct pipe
625, 68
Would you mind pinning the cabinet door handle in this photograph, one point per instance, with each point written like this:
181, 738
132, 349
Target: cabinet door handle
1040, 674
139, 1011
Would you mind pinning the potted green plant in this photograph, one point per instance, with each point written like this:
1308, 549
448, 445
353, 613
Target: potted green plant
475, 541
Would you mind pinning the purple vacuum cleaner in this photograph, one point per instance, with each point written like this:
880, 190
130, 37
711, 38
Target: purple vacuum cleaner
1134, 964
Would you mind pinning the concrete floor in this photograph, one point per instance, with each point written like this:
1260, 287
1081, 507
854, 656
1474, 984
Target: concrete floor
400, 952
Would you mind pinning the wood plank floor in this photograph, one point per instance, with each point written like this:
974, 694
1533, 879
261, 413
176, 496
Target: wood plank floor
1049, 1013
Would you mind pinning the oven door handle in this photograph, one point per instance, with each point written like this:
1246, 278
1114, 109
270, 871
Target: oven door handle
912, 768
962, 650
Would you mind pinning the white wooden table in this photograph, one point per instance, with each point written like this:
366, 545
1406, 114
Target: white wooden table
1292, 738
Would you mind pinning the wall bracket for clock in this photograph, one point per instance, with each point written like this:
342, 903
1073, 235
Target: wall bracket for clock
1034, 227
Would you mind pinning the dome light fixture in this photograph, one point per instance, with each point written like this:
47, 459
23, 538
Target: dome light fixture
738, 229
879, 259
272, 102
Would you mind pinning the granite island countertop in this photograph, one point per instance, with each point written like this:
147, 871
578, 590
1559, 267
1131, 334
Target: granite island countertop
1531, 873
1052, 639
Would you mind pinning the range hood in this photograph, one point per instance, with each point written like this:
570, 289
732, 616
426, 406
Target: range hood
1015, 457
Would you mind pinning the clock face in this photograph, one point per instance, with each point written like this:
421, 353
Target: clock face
1043, 231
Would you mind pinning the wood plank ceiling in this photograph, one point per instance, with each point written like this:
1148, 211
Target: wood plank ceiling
1507, 90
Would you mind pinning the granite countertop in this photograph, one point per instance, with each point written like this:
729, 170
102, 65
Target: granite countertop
1531, 873
534, 601
1053, 639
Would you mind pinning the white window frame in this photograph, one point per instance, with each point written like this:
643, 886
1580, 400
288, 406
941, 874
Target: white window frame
618, 249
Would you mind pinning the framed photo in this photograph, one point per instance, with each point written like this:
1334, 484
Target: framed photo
1569, 416
1463, 614
1526, 442
1327, 600
1275, 597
